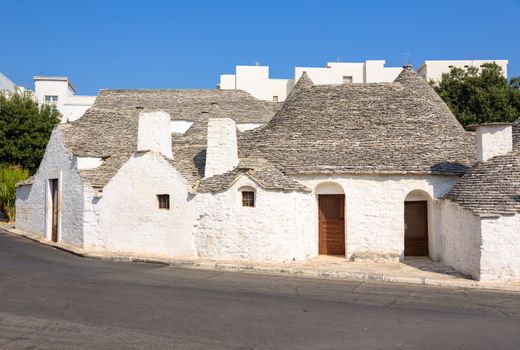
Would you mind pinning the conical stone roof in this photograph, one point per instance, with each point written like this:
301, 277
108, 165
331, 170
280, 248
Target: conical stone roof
391, 128
302, 83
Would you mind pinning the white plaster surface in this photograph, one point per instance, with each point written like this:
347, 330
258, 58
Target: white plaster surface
374, 210
88, 162
127, 218
33, 205
500, 259
180, 126
461, 240
71, 106
247, 126
433, 70
222, 150
154, 133
493, 140
278, 228
255, 79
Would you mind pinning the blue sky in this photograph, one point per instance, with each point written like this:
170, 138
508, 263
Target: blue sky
188, 44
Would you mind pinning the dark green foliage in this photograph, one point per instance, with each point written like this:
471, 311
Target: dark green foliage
25, 128
9, 176
482, 95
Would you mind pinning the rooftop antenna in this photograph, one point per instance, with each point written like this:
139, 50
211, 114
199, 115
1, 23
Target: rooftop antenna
406, 56
472, 57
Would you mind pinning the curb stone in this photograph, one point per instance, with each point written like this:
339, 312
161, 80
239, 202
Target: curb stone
293, 271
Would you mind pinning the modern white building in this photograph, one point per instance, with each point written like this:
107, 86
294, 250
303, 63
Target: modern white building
255, 79
375, 171
61, 92
433, 70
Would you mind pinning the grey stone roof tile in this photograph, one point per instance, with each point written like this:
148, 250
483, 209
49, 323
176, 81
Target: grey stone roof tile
109, 129
490, 188
261, 171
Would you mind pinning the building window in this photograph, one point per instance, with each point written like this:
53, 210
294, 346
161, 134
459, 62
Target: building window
275, 98
51, 98
347, 79
164, 201
248, 198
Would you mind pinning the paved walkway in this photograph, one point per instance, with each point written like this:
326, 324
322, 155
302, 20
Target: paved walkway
419, 271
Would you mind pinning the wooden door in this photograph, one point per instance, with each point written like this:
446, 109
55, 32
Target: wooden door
416, 228
54, 194
331, 224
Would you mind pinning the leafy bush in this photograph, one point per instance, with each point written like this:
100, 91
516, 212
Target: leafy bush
480, 95
10, 175
25, 129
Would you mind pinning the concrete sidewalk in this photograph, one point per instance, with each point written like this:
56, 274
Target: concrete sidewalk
418, 271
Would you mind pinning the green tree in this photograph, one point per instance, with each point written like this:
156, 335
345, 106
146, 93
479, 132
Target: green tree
478, 96
10, 175
25, 128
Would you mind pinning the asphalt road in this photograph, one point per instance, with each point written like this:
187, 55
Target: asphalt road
50, 299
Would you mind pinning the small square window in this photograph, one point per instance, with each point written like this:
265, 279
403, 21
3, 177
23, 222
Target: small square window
347, 79
164, 201
49, 98
275, 98
248, 199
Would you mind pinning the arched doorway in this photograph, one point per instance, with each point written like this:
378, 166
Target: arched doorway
416, 223
331, 219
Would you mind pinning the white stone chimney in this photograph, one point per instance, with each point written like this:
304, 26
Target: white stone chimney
222, 151
154, 133
493, 140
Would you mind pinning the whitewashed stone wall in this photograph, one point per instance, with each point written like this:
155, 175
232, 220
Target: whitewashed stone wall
34, 205
222, 150
461, 239
374, 211
154, 133
493, 140
500, 257
127, 218
278, 228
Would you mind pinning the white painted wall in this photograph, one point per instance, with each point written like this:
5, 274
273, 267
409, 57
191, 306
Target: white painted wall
461, 240
127, 218
247, 126
222, 150
75, 106
34, 206
71, 106
278, 89
500, 257
332, 73
374, 210
154, 133
180, 126
227, 82
433, 70
84, 163
255, 79
278, 228
493, 140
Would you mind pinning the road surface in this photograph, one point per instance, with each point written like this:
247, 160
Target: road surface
50, 299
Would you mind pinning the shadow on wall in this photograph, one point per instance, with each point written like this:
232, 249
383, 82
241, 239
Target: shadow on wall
200, 162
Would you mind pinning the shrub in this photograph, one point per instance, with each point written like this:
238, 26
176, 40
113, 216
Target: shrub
10, 175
